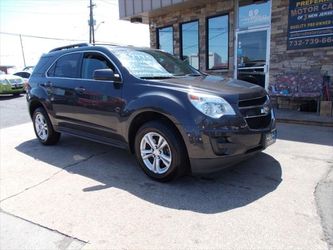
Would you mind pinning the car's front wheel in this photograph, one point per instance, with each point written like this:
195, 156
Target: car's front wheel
43, 127
160, 152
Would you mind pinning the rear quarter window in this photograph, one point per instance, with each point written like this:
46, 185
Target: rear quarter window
42, 65
67, 66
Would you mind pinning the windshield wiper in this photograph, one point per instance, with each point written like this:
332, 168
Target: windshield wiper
156, 77
188, 75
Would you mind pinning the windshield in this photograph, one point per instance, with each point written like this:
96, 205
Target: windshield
153, 64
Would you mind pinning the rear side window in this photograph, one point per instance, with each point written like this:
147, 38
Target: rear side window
93, 61
67, 66
42, 65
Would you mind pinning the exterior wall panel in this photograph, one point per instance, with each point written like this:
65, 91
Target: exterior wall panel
166, 3
147, 5
129, 8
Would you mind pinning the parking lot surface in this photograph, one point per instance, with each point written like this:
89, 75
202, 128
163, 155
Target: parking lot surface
94, 196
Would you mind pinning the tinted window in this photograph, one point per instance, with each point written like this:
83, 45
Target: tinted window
43, 64
23, 74
190, 43
93, 61
165, 39
217, 42
66, 66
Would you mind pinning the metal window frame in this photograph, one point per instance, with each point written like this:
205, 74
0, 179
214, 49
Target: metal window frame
158, 37
181, 39
207, 40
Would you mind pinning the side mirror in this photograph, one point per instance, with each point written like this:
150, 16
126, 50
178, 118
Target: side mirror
105, 75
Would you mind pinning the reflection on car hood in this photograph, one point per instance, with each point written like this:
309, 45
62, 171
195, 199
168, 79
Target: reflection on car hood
217, 85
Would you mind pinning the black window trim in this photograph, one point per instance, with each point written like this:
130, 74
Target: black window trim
81, 61
207, 42
158, 37
181, 40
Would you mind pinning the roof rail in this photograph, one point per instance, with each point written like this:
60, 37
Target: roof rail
110, 44
72, 46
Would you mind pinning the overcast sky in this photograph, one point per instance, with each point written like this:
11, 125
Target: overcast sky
63, 19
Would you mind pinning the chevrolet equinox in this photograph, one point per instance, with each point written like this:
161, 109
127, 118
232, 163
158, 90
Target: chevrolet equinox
175, 119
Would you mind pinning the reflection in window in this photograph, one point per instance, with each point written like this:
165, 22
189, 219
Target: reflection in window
67, 66
92, 62
251, 49
254, 15
190, 43
165, 39
217, 42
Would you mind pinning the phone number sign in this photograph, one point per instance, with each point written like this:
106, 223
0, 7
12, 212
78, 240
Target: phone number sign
310, 24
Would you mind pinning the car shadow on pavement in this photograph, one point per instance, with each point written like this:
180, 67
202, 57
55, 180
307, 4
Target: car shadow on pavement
230, 189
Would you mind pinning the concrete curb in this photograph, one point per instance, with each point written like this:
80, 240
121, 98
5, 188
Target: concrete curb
305, 122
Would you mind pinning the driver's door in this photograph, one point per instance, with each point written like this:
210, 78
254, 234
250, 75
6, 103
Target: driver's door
98, 102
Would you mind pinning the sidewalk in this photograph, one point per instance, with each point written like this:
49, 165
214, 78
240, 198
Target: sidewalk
306, 118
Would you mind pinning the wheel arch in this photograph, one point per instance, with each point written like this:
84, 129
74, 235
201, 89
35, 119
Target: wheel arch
33, 105
147, 116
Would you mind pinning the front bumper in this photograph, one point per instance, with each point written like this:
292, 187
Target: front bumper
9, 89
215, 145
231, 149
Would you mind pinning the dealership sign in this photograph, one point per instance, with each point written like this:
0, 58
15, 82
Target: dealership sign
310, 24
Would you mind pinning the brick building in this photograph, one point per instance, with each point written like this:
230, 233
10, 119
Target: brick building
284, 46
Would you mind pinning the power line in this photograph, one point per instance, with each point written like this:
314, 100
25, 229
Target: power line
41, 37
57, 39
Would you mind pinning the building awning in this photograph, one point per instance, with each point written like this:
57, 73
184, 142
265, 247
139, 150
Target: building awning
140, 11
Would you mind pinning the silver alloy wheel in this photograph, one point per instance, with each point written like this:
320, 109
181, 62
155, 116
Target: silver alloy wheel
41, 127
155, 153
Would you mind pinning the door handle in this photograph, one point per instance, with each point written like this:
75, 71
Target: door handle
46, 84
79, 89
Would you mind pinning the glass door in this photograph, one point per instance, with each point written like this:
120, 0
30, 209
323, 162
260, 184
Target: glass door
253, 56
252, 43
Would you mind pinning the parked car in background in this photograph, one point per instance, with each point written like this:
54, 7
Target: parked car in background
172, 117
11, 84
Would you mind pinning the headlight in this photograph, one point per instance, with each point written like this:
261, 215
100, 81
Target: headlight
211, 105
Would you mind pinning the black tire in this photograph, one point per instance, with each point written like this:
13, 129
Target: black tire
174, 148
17, 94
49, 136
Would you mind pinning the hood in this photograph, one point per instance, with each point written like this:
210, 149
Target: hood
227, 88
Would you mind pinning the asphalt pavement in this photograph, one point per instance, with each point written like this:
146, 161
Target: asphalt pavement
13, 110
84, 195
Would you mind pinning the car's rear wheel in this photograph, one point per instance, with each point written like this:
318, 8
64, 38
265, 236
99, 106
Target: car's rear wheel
43, 127
159, 151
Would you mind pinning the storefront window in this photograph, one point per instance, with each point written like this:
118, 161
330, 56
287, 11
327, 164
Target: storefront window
256, 14
190, 43
217, 42
165, 39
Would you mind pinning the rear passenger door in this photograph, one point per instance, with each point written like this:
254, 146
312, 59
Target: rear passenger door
62, 78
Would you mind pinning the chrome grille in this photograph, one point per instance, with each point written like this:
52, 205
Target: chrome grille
256, 111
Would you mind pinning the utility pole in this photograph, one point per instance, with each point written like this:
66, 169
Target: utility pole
22, 51
91, 23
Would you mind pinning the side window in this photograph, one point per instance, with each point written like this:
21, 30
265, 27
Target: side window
93, 61
66, 66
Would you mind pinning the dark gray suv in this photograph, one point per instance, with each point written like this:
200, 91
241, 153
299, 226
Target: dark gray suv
175, 119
